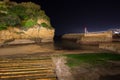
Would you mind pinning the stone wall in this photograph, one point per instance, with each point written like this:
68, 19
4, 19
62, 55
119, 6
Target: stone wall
111, 46
90, 38
72, 36
96, 38
93, 40
102, 34
36, 32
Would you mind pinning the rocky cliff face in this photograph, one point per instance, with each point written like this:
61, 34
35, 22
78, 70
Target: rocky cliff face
36, 32
33, 23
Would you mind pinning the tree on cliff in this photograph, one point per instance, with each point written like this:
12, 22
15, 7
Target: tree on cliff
23, 14
6, 1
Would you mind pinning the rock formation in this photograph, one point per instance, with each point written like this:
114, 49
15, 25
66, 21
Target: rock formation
36, 32
24, 20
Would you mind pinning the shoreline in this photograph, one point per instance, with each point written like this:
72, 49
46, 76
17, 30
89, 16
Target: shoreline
35, 48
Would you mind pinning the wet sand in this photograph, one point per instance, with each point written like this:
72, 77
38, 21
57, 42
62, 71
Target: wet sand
34, 48
23, 49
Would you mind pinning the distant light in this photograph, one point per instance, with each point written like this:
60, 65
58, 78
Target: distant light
116, 32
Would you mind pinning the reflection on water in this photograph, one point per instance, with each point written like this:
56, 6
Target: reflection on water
110, 77
71, 45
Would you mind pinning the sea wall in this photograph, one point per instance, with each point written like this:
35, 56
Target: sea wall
95, 38
101, 34
90, 38
36, 32
111, 46
72, 36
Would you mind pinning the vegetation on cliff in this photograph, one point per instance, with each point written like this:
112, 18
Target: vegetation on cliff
25, 14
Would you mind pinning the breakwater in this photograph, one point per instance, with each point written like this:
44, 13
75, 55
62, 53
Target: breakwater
90, 38
73, 36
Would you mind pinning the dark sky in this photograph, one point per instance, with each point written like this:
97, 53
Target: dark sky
71, 16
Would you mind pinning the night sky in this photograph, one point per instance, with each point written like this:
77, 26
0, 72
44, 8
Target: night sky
72, 16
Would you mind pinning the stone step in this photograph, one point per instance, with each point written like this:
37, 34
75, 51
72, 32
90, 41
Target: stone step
30, 79
27, 68
47, 79
24, 69
32, 62
20, 65
25, 58
26, 62
35, 75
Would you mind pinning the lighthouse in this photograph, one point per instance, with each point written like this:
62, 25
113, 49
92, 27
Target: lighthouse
85, 30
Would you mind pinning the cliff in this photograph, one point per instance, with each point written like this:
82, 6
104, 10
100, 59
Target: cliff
37, 32
24, 21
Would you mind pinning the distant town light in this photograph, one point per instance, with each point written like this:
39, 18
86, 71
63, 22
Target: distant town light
117, 32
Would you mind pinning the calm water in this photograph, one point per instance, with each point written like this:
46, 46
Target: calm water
110, 77
71, 45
